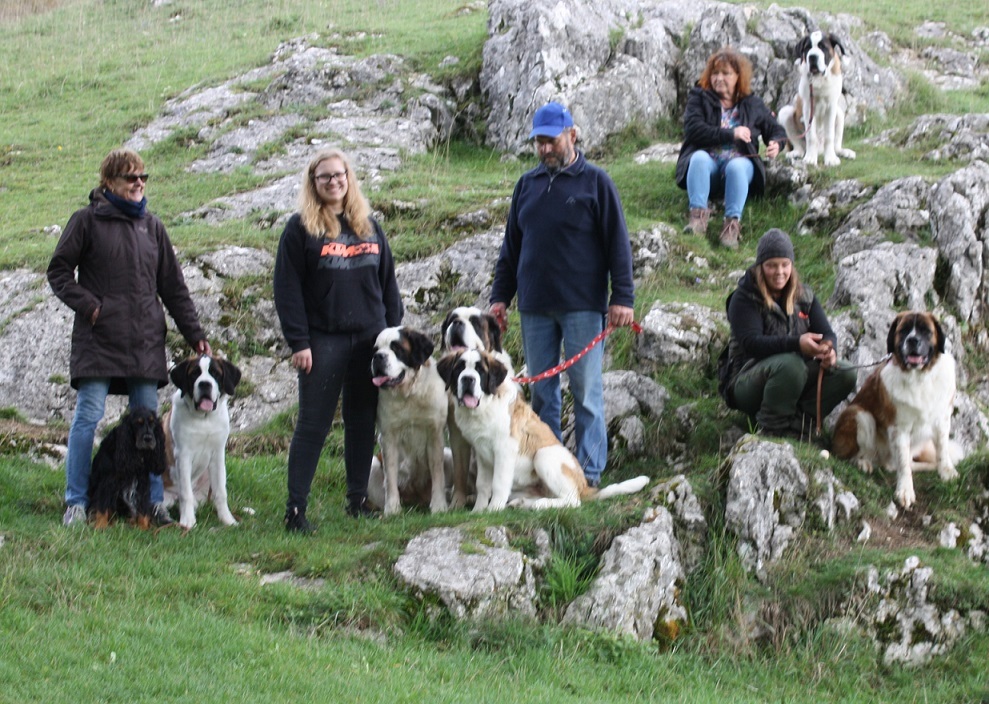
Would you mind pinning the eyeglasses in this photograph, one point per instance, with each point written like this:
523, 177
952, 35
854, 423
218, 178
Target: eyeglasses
132, 178
323, 179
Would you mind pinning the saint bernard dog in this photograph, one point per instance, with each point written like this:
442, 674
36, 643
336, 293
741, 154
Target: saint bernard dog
520, 462
901, 417
818, 112
412, 412
467, 328
196, 431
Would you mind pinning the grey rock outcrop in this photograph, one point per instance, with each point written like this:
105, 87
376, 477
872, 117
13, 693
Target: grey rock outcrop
959, 205
473, 579
637, 590
676, 333
766, 501
907, 626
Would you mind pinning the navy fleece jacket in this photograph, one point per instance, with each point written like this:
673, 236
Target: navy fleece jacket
564, 240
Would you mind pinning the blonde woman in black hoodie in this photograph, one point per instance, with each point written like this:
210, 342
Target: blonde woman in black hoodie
335, 290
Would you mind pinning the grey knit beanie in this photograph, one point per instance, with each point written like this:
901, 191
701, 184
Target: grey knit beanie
775, 243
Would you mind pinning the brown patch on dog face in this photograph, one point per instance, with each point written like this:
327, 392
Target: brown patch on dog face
836, 63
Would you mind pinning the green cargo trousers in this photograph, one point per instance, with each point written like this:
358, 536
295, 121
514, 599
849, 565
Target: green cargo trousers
780, 391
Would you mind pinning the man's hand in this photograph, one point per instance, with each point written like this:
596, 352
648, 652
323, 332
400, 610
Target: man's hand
620, 316
500, 312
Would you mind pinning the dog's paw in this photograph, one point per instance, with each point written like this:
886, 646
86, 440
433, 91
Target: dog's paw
438, 505
905, 495
846, 153
810, 158
795, 154
832, 160
947, 471
865, 465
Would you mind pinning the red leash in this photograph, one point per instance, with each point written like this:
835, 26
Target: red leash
576, 358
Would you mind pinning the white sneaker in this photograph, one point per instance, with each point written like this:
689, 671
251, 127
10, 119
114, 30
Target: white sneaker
75, 515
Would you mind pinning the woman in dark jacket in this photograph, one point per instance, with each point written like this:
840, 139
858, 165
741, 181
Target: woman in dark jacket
335, 290
722, 125
126, 269
780, 337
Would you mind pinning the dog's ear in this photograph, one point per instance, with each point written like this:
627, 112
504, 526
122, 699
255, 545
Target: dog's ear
836, 44
494, 332
891, 337
422, 346
800, 49
180, 375
231, 376
939, 331
445, 368
497, 373
447, 321
160, 456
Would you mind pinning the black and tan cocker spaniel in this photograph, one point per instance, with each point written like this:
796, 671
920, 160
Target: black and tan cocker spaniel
120, 483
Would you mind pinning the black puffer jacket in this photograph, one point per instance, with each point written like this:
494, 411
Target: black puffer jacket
702, 130
128, 269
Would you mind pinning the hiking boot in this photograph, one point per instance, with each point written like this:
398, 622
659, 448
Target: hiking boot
697, 222
731, 233
295, 521
75, 515
159, 516
358, 507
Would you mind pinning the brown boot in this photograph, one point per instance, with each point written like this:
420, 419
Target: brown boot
698, 221
731, 233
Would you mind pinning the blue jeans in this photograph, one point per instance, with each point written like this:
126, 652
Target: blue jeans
90, 406
705, 177
542, 336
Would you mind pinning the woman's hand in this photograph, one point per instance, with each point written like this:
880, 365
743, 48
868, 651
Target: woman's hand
743, 134
772, 150
814, 346
302, 360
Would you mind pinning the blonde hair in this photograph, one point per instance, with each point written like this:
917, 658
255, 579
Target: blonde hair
117, 163
317, 218
790, 290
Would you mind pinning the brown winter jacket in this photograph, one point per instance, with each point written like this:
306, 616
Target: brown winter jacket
127, 269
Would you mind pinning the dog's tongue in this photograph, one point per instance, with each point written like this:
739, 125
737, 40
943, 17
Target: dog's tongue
205, 404
380, 380
471, 401
915, 359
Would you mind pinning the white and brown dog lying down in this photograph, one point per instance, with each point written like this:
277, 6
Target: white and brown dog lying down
901, 417
519, 460
467, 328
412, 413
815, 123
196, 431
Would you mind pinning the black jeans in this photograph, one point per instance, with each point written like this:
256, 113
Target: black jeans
340, 362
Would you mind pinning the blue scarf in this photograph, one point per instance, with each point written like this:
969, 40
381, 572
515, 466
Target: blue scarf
127, 207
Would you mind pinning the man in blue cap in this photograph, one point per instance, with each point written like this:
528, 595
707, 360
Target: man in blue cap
565, 241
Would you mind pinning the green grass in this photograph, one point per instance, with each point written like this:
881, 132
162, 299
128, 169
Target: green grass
128, 616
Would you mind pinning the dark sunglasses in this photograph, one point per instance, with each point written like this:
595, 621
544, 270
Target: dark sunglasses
132, 178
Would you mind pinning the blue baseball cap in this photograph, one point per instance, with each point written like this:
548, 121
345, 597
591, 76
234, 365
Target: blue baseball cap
550, 120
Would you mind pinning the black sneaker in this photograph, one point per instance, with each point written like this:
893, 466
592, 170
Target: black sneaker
159, 516
295, 521
358, 507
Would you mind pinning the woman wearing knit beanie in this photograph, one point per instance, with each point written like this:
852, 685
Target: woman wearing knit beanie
780, 337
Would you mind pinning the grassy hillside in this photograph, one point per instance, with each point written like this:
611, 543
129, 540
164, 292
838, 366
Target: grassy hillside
128, 616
